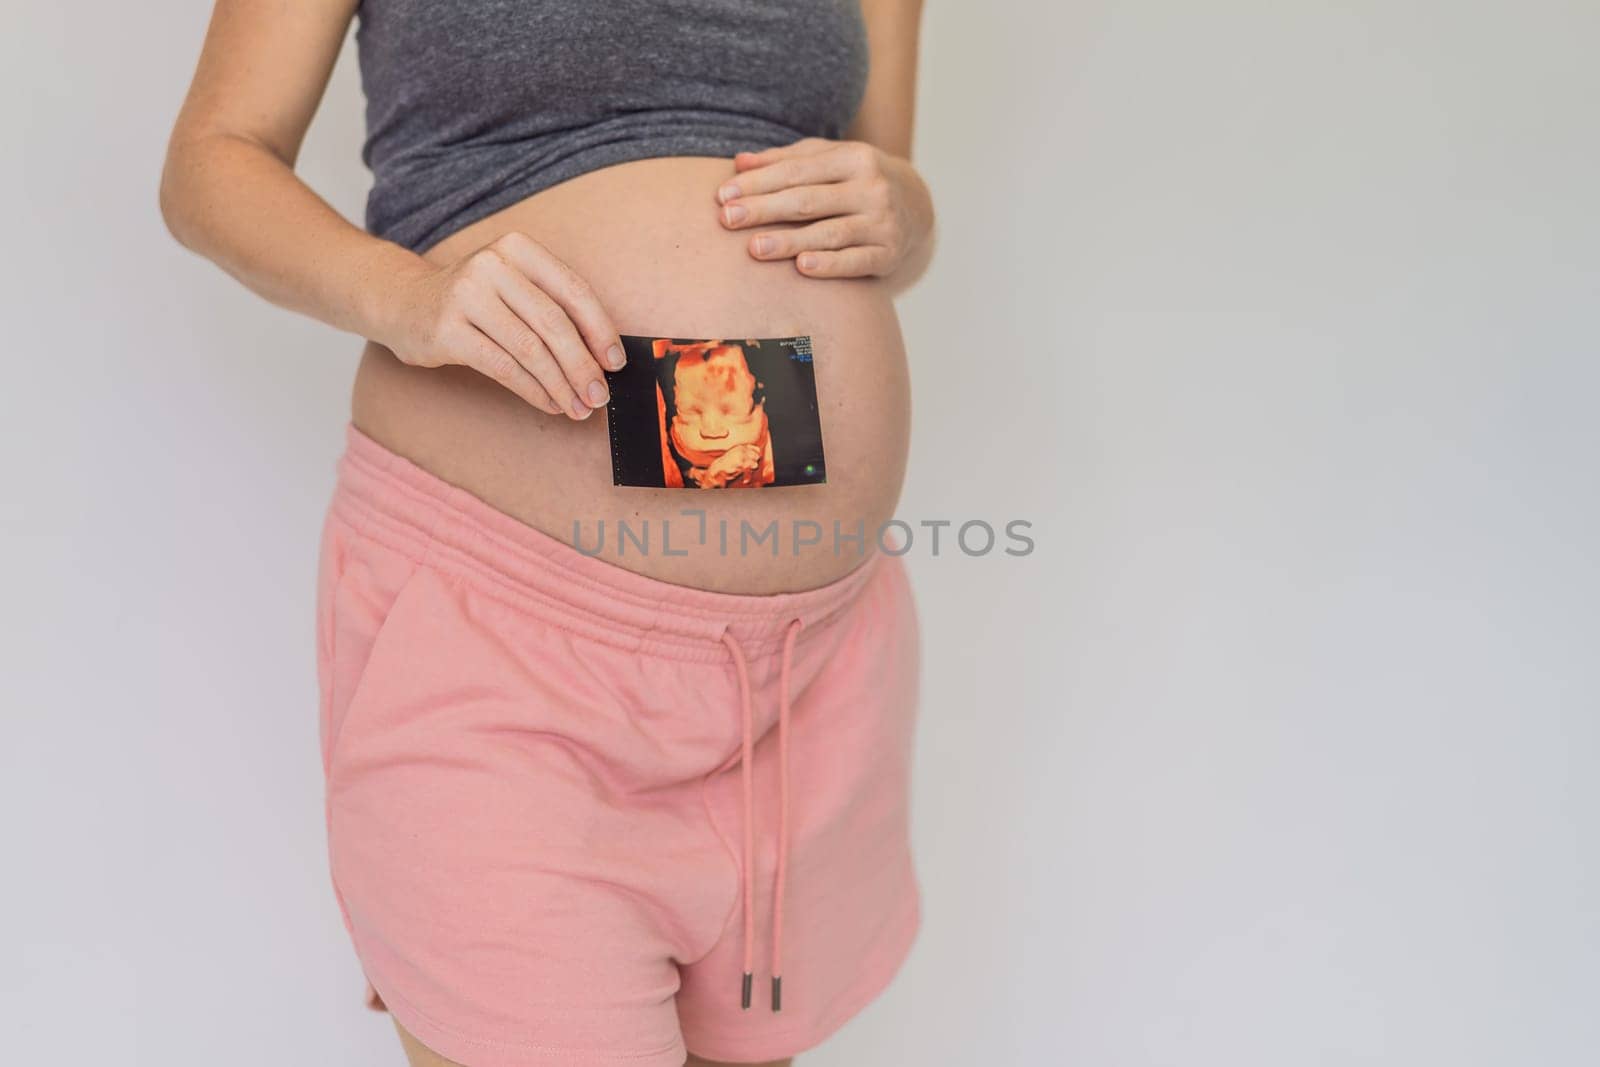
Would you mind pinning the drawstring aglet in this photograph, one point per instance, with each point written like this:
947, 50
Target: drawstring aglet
777, 993
744, 992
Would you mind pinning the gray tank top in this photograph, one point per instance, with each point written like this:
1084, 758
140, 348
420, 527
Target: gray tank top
473, 105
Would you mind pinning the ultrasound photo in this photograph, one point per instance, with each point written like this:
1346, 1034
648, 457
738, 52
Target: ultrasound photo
715, 414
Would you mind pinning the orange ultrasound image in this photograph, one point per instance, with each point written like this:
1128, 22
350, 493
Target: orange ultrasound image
718, 426
715, 414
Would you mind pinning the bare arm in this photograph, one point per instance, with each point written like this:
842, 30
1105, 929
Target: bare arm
228, 191
869, 210
888, 110
887, 118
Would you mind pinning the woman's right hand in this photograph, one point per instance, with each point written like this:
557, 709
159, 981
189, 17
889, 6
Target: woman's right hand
512, 312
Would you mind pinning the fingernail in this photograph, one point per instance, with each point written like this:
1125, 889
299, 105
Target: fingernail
726, 193
615, 357
734, 213
807, 261
579, 409
597, 394
763, 245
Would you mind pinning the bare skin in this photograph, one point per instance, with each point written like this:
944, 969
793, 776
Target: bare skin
485, 356
645, 236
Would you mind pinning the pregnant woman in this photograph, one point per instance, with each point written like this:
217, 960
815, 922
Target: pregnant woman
582, 802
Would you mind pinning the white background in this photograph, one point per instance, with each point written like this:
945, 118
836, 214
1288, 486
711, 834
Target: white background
1278, 319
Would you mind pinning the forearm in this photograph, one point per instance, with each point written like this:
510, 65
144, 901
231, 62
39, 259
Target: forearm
238, 204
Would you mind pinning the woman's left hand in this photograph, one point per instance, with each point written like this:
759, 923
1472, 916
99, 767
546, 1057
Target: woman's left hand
865, 210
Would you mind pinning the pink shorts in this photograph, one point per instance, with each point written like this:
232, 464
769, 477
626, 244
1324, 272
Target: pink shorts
579, 816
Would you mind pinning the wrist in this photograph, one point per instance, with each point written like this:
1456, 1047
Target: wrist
918, 223
384, 276
919, 201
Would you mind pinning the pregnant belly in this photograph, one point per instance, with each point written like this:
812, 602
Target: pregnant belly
646, 237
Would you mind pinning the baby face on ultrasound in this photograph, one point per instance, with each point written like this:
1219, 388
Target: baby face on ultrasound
718, 425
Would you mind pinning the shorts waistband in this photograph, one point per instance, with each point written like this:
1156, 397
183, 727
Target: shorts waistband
389, 498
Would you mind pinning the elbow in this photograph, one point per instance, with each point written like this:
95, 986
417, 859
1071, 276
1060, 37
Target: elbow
171, 200
184, 184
